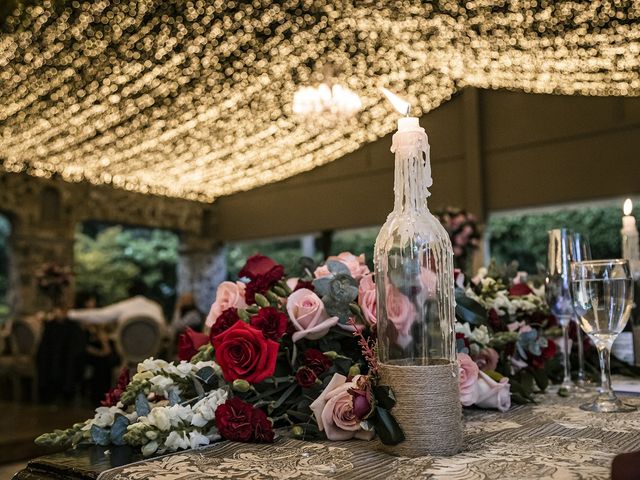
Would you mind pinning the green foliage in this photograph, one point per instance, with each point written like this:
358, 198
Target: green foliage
115, 258
357, 241
285, 252
523, 237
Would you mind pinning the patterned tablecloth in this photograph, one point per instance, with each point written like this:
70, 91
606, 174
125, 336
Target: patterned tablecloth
551, 439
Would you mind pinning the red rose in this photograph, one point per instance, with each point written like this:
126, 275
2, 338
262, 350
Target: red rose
243, 353
259, 265
262, 427
271, 321
225, 321
494, 321
262, 273
112, 397
304, 284
520, 289
317, 361
189, 342
233, 420
306, 377
550, 350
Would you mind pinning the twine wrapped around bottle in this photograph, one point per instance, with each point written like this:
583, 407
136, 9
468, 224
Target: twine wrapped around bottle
425, 395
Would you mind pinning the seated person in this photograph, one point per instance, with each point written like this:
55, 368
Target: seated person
100, 358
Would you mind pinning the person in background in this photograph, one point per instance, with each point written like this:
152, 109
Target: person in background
101, 358
137, 305
186, 315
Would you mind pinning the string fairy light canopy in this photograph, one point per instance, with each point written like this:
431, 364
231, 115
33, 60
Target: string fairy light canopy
193, 99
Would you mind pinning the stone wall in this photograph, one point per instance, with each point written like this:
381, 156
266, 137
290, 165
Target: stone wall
44, 214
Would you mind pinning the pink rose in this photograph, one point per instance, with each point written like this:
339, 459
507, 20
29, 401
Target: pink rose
334, 413
308, 315
356, 265
487, 359
228, 295
468, 379
367, 298
492, 394
402, 313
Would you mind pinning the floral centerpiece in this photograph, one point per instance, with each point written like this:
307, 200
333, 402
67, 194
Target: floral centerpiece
298, 352
507, 340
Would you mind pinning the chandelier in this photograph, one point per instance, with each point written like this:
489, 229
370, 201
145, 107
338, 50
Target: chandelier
337, 100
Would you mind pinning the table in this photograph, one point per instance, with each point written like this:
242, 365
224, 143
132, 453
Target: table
550, 439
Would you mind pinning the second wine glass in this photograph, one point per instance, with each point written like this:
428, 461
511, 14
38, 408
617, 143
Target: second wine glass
558, 292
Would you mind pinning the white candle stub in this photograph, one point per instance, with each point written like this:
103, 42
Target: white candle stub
407, 124
628, 221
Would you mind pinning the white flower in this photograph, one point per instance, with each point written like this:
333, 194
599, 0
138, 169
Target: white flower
179, 415
184, 368
205, 409
480, 335
196, 439
150, 448
138, 377
176, 440
105, 416
463, 328
159, 418
161, 384
482, 272
152, 365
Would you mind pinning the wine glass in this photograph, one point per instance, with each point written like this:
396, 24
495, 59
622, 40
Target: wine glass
603, 299
580, 251
558, 292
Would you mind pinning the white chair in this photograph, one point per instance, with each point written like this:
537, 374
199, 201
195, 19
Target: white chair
138, 338
24, 340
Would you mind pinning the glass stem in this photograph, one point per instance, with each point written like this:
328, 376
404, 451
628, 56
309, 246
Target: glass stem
605, 372
580, 338
565, 337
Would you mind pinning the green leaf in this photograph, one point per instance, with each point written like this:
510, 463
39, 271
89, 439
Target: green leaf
207, 375
384, 396
387, 427
541, 378
287, 393
468, 310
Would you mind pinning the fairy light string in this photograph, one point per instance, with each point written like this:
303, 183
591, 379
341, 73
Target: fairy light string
193, 99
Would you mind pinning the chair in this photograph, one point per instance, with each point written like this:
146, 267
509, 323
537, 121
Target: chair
138, 338
24, 340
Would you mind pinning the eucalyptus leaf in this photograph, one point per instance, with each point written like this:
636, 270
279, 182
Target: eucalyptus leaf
118, 429
336, 267
343, 288
321, 285
100, 435
142, 405
174, 398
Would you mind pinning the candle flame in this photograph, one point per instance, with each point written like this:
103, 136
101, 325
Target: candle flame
402, 106
628, 206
